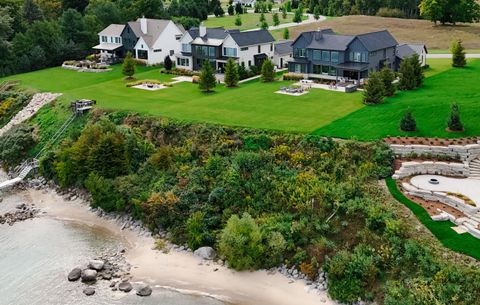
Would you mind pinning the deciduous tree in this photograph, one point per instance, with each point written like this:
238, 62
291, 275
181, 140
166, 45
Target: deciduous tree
128, 67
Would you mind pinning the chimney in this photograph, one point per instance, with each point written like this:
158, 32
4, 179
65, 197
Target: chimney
202, 30
318, 34
143, 24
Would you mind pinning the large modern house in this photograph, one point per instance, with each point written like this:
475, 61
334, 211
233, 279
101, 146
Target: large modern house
147, 39
217, 45
323, 54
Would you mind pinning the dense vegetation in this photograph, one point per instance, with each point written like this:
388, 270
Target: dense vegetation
11, 102
263, 199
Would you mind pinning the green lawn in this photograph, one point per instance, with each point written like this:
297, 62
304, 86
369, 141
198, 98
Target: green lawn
430, 105
249, 21
462, 243
253, 104
445, 51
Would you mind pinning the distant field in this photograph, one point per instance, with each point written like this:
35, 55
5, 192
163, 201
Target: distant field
404, 30
249, 21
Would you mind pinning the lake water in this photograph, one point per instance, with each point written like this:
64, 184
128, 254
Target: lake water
36, 256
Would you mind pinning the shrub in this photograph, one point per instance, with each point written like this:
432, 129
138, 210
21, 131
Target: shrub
15, 144
196, 231
390, 12
408, 122
241, 243
143, 81
168, 63
293, 76
238, 20
454, 122
163, 158
103, 193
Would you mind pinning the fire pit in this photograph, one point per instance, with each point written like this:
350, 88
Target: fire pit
433, 181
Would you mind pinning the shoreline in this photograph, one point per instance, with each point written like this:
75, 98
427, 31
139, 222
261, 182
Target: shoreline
181, 271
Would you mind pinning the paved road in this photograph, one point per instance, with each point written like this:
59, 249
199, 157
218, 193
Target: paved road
450, 55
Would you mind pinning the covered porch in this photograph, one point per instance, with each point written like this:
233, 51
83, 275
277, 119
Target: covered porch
351, 71
109, 52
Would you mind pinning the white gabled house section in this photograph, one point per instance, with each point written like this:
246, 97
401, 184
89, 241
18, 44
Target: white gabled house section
167, 44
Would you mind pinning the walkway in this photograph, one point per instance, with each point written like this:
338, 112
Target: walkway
450, 55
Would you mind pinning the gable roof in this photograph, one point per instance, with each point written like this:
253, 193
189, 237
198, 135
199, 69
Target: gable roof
406, 50
249, 38
112, 30
212, 33
283, 47
377, 40
155, 28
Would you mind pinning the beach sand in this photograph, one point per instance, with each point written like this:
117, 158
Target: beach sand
183, 271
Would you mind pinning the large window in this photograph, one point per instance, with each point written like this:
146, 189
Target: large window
186, 47
230, 52
104, 39
317, 55
324, 69
299, 52
325, 56
118, 40
359, 56
205, 51
185, 62
299, 68
211, 51
317, 69
334, 57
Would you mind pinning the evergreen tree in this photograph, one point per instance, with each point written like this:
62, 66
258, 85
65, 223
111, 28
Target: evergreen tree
218, 11
31, 11
238, 8
231, 10
262, 18
167, 62
268, 71
298, 15
458, 54
128, 68
374, 89
284, 13
454, 122
408, 122
417, 70
242, 71
288, 6
238, 20
264, 25
207, 77
231, 73
317, 12
408, 80
312, 5
286, 34
276, 20
388, 77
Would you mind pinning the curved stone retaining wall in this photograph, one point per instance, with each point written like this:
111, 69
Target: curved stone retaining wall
465, 153
442, 197
413, 168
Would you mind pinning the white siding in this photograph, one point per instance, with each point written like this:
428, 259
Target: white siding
248, 55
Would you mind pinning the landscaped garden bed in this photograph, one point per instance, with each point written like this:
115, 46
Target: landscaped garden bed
430, 141
85, 66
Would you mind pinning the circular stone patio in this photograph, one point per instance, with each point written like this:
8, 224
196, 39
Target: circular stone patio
465, 186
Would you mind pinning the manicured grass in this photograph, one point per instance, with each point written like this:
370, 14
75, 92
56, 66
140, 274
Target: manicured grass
447, 51
249, 21
430, 105
462, 243
253, 104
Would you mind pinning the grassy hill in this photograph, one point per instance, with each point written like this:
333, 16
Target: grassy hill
404, 30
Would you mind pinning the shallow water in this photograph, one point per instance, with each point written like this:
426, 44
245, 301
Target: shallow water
36, 256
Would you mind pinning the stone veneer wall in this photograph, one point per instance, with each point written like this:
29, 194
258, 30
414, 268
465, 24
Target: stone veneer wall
465, 153
431, 168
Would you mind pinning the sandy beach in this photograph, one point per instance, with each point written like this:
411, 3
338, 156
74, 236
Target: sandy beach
182, 271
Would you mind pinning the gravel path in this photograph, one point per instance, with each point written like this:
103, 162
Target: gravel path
37, 102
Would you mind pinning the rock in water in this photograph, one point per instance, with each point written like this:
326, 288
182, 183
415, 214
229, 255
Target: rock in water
89, 291
125, 286
89, 275
144, 291
205, 253
96, 264
75, 274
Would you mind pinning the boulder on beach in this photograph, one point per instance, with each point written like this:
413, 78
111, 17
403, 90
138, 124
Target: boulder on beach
75, 274
205, 253
89, 291
125, 286
89, 275
144, 291
96, 264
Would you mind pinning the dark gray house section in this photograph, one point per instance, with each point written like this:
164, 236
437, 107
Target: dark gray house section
130, 35
203, 47
323, 54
